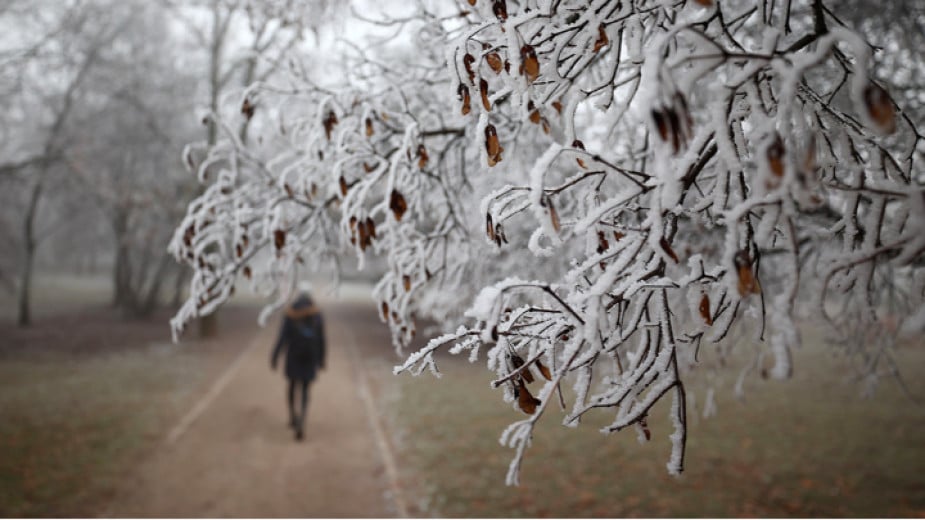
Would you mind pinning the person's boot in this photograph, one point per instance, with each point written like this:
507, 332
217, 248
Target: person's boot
299, 434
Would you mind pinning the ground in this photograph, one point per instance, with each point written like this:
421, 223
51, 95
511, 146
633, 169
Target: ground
106, 417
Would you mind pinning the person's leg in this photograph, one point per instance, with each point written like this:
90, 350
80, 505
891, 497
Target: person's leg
300, 425
304, 402
292, 415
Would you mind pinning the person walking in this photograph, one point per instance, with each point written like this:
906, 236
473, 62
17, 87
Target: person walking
302, 338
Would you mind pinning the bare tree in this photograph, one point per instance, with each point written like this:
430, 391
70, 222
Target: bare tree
69, 49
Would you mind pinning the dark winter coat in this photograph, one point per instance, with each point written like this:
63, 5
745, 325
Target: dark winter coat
302, 338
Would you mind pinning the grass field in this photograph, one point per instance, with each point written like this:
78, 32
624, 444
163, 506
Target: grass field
807, 447
85, 396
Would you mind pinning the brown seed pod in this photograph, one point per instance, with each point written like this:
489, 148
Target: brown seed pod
553, 215
880, 108
343, 186
558, 106
279, 238
385, 311
288, 189
368, 168
406, 282
397, 204
705, 309
472, 2
489, 227
247, 272
468, 60
530, 64
369, 127
494, 62
492, 145
483, 90
544, 370
463, 92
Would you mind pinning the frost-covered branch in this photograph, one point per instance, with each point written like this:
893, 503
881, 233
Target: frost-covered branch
607, 187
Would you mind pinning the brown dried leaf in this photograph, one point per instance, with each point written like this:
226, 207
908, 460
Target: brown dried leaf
422, 156
518, 362
369, 127
247, 272
406, 282
602, 244
705, 309
247, 108
499, 8
534, 113
775, 156
494, 62
663, 242
530, 64
602, 39
880, 108
329, 123
371, 227
397, 204
661, 124
525, 399
468, 60
492, 145
544, 370
279, 238
343, 186
463, 92
748, 284
553, 215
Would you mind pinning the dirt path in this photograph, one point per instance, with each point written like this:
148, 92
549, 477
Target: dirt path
233, 455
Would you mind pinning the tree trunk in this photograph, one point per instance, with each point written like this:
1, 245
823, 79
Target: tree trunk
29, 244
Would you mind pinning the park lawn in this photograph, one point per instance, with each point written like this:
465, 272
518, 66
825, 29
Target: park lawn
807, 447
71, 428
83, 399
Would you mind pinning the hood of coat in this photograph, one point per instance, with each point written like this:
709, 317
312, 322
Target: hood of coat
302, 308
